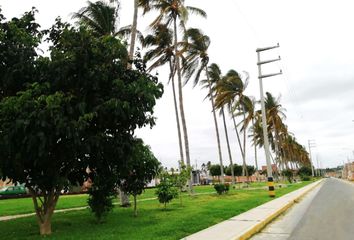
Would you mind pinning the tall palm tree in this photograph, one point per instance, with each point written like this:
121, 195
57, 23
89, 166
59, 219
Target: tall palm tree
171, 12
195, 61
230, 93
213, 76
163, 52
275, 116
100, 17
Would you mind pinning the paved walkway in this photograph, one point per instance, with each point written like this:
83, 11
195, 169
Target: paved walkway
246, 224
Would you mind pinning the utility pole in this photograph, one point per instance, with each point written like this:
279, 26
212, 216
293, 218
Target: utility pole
311, 145
264, 120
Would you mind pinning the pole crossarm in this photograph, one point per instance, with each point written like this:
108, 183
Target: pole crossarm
271, 75
266, 48
269, 61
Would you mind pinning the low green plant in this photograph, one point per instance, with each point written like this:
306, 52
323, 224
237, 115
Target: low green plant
222, 188
166, 191
288, 174
305, 178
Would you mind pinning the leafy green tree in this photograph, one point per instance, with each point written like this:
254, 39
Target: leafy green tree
101, 195
142, 168
237, 170
76, 109
166, 191
214, 170
305, 171
181, 179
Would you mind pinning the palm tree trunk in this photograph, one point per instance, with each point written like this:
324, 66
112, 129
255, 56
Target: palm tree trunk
228, 146
255, 151
239, 143
177, 115
181, 107
216, 129
244, 170
133, 30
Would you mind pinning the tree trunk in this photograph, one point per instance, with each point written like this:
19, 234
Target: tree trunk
239, 143
255, 153
228, 147
245, 170
181, 107
177, 115
133, 30
124, 199
216, 128
45, 209
45, 228
135, 209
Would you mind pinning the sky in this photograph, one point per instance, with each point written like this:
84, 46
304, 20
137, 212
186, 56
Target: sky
316, 88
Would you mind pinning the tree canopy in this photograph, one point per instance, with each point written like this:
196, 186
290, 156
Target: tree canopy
73, 108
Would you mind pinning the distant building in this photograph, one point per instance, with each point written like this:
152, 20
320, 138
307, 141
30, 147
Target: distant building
274, 168
348, 171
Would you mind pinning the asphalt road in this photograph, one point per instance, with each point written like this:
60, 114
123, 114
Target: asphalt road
326, 213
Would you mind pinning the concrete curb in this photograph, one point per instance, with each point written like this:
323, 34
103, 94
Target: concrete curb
258, 227
247, 224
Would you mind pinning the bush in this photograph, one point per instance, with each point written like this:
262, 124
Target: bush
305, 171
166, 191
305, 178
222, 188
288, 174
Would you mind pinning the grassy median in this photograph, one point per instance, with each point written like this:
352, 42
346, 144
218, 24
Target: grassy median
198, 212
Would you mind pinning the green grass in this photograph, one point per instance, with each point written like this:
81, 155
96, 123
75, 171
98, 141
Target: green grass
198, 212
25, 205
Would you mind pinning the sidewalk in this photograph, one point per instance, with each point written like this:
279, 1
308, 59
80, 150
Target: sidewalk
243, 226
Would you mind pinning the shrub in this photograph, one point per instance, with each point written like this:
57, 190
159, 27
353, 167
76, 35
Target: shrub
288, 174
306, 171
305, 178
166, 191
222, 188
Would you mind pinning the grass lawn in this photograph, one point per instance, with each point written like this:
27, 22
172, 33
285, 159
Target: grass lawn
25, 205
153, 222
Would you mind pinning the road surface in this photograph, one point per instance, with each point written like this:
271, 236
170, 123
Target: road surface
325, 213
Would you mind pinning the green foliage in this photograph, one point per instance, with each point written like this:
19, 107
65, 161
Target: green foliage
78, 108
142, 167
305, 177
222, 188
288, 174
166, 191
215, 170
305, 171
181, 179
251, 170
237, 170
101, 196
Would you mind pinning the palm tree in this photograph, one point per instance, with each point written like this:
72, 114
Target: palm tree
275, 115
195, 61
99, 16
213, 76
230, 93
172, 11
163, 52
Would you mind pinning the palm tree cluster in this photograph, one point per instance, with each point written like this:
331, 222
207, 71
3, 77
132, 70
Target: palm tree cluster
185, 51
